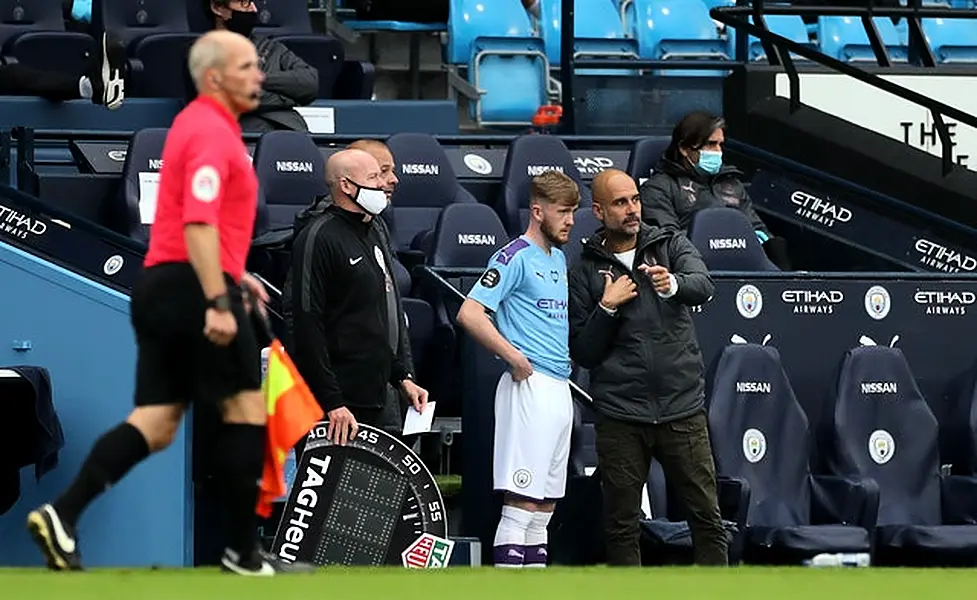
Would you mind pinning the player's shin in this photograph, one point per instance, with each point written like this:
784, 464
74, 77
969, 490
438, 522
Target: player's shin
510, 537
536, 540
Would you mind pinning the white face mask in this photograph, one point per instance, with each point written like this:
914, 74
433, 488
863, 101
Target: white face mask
372, 200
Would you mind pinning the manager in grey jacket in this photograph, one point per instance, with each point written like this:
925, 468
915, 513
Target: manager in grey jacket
630, 325
289, 81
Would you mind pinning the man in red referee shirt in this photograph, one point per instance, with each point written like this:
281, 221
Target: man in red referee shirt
190, 315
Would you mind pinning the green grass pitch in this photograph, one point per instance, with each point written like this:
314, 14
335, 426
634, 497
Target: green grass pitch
689, 583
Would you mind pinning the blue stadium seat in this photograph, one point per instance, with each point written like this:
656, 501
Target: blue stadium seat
952, 40
158, 39
879, 425
760, 433
585, 223
791, 27
727, 241
140, 173
528, 156
676, 29
420, 329
291, 172
288, 21
506, 63
645, 154
33, 33
466, 235
844, 38
427, 184
597, 33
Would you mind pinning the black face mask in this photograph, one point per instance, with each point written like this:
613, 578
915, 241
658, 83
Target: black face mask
241, 22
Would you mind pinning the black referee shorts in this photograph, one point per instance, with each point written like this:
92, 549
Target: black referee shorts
176, 363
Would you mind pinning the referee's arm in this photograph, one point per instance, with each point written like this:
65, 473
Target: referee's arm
312, 271
206, 175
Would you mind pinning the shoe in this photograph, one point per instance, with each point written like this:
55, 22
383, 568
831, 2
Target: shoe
55, 538
107, 78
261, 564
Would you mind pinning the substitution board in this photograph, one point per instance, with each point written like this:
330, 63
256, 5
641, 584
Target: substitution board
372, 502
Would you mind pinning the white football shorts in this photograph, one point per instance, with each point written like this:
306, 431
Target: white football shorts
533, 423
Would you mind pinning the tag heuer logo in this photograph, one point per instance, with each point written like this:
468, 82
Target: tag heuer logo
428, 552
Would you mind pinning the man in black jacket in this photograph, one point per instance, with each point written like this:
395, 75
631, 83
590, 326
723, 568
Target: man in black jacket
289, 80
346, 312
630, 325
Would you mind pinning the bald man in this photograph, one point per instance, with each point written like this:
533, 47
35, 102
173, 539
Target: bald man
630, 325
191, 315
346, 322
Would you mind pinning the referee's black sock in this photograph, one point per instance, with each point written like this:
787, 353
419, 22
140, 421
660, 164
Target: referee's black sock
117, 451
240, 459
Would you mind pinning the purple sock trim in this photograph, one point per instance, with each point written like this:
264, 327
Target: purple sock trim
536, 555
509, 554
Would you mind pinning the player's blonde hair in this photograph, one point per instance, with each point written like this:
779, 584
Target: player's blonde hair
554, 187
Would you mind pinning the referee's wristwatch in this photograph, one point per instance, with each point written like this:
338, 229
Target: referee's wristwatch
220, 303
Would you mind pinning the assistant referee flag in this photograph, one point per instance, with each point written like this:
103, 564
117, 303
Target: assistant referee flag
292, 412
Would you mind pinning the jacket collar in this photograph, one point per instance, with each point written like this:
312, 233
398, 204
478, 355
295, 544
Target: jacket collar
354, 219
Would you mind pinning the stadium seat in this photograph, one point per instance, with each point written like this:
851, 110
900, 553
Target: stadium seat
157, 38
420, 329
466, 236
585, 224
140, 178
427, 185
528, 156
676, 30
958, 424
33, 33
878, 425
844, 38
288, 21
291, 172
727, 241
952, 40
665, 537
760, 433
506, 64
791, 27
597, 33
644, 156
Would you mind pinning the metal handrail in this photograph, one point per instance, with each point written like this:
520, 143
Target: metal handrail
784, 47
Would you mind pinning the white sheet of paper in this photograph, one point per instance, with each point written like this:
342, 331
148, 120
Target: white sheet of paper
148, 189
320, 119
416, 422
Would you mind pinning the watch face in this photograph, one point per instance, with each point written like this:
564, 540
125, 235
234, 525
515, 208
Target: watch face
367, 503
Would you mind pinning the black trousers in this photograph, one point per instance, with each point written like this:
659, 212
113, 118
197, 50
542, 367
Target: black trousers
23, 80
624, 454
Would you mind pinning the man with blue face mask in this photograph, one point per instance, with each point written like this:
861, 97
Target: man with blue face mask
691, 176
347, 318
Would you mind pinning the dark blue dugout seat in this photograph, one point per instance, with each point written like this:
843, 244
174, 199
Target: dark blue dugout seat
420, 328
288, 21
665, 536
878, 425
958, 424
645, 154
528, 156
291, 172
427, 185
32, 32
140, 174
759, 433
727, 242
466, 236
157, 40
585, 224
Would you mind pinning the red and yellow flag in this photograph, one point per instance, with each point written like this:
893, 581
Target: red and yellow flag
292, 412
